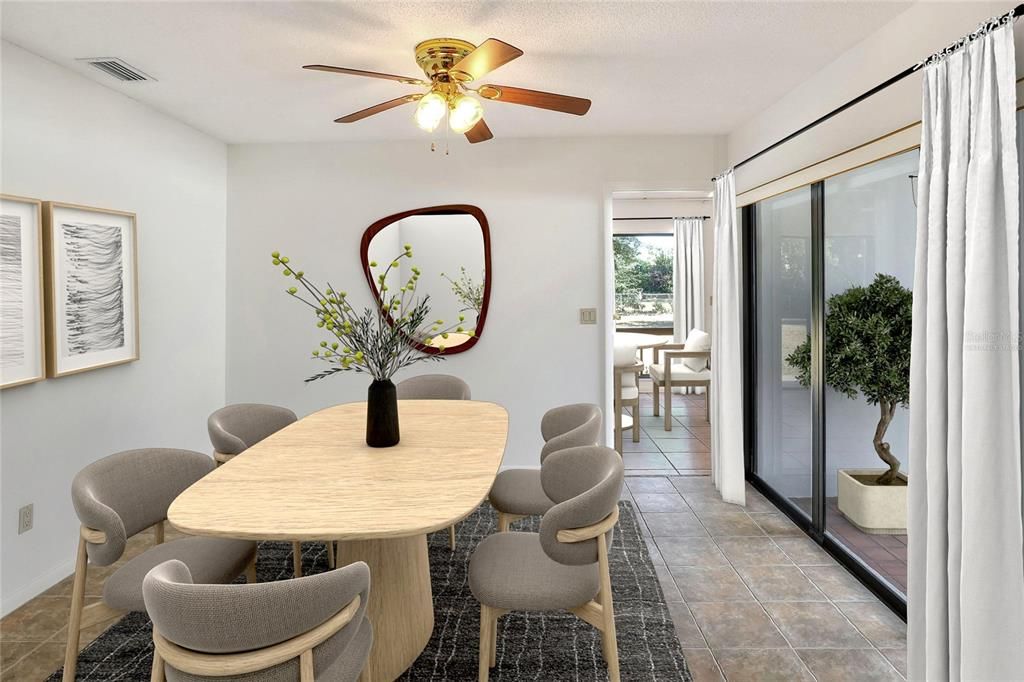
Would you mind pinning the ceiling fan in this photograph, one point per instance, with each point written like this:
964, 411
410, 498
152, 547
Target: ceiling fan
450, 65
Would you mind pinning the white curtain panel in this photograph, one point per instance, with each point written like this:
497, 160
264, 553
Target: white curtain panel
727, 348
688, 282
966, 544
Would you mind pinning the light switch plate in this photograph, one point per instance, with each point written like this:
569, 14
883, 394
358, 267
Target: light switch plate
588, 315
25, 515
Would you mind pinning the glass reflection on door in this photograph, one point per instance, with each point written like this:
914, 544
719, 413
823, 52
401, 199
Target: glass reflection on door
783, 304
870, 230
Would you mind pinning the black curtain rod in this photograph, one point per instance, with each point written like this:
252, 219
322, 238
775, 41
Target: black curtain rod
668, 217
1017, 11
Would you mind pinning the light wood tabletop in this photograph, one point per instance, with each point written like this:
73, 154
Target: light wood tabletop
317, 479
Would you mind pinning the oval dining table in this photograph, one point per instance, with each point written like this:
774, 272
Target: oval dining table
317, 479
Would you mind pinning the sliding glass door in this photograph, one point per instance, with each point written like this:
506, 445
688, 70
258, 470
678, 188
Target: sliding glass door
783, 252
830, 296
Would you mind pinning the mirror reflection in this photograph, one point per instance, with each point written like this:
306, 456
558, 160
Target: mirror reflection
449, 262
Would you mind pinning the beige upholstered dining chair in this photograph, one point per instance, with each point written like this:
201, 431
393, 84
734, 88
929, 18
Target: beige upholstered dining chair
300, 629
121, 495
626, 391
565, 566
435, 387
236, 428
517, 493
682, 364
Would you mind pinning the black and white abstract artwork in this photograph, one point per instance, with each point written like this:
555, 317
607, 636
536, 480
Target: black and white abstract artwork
94, 311
12, 295
22, 358
94, 305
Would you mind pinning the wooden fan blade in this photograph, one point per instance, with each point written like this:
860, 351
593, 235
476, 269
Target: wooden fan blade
491, 54
479, 133
368, 74
535, 98
377, 108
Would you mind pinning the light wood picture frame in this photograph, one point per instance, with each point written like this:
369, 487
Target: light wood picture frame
22, 313
91, 287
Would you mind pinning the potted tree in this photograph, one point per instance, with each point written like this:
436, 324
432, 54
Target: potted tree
867, 352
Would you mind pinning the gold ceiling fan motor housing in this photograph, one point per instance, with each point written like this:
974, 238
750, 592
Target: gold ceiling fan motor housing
437, 56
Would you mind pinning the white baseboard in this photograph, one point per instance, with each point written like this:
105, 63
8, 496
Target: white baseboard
41, 584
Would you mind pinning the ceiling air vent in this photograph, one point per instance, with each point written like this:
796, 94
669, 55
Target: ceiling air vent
117, 68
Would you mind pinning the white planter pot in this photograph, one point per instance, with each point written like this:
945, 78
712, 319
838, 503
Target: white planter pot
877, 509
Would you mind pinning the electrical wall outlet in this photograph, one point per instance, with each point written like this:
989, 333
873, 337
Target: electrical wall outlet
25, 519
588, 315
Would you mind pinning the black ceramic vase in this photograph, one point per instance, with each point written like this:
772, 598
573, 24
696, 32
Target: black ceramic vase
382, 414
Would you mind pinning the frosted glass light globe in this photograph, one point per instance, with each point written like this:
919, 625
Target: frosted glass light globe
465, 114
430, 111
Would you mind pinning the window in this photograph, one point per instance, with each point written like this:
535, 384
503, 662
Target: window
643, 281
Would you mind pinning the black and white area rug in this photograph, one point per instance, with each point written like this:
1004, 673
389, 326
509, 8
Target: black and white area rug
545, 647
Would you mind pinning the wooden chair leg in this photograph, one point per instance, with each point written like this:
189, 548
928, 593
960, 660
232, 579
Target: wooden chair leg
157, 671
657, 397
451, 537
331, 563
636, 421
617, 407
250, 571
707, 403
609, 643
486, 623
297, 559
668, 407
158, 533
493, 659
306, 666
502, 522
618, 427
75, 618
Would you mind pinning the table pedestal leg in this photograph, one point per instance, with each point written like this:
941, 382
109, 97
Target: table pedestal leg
401, 604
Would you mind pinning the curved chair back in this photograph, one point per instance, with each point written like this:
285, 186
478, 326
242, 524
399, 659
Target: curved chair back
433, 387
235, 428
570, 426
266, 627
130, 491
585, 484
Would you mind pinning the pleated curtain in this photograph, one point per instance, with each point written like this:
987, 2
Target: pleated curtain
688, 282
965, 525
727, 470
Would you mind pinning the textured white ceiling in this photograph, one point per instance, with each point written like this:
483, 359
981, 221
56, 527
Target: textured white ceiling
232, 69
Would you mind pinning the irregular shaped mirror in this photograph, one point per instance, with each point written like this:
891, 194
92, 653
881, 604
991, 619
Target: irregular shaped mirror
450, 263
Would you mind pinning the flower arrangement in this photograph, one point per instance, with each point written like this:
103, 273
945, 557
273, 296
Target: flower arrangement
377, 341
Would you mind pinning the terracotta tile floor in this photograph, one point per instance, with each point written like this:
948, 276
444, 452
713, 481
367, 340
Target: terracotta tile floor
752, 597
33, 637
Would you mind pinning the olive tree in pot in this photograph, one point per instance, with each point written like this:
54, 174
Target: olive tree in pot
867, 352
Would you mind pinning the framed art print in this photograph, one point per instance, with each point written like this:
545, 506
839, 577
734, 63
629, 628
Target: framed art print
22, 322
91, 288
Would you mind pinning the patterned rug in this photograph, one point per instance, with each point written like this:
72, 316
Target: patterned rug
531, 646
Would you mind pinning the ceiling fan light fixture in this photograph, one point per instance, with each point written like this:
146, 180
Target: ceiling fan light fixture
430, 111
466, 112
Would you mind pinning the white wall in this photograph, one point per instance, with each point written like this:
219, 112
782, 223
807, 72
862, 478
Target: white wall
909, 38
545, 202
66, 138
